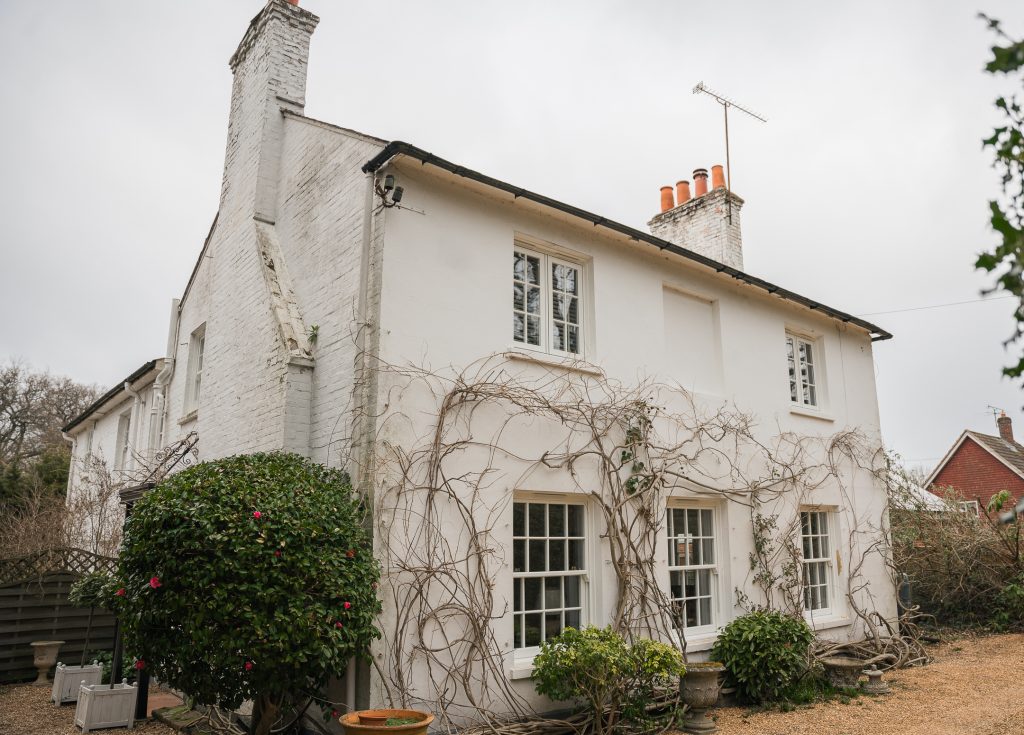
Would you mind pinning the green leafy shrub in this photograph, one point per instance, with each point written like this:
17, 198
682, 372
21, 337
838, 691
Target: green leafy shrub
91, 590
764, 652
250, 577
596, 665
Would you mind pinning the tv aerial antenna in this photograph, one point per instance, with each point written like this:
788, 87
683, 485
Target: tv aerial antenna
726, 103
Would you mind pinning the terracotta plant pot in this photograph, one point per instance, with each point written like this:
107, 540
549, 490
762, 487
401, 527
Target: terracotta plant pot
374, 722
700, 686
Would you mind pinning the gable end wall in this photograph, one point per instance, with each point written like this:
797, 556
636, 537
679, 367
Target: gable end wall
977, 475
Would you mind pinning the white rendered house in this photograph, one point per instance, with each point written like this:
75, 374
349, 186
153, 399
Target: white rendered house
562, 420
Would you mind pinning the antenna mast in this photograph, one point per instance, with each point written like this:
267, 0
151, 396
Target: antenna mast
726, 103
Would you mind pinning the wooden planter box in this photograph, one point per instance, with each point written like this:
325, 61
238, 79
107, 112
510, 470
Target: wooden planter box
67, 679
100, 706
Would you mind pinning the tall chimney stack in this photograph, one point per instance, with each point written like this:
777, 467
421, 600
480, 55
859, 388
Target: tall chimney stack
269, 70
708, 223
1005, 427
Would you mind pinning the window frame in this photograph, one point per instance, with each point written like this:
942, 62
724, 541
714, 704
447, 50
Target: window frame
524, 653
796, 381
549, 258
829, 561
715, 568
194, 369
970, 507
122, 448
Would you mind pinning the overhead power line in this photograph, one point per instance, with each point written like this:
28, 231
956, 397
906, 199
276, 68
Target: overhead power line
938, 306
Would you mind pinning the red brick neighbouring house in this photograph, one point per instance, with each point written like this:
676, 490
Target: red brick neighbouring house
980, 465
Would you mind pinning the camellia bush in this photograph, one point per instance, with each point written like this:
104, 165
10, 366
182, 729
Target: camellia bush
597, 666
765, 652
248, 578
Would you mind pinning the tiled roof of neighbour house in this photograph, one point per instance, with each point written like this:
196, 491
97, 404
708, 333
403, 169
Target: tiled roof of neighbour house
397, 148
1011, 453
113, 392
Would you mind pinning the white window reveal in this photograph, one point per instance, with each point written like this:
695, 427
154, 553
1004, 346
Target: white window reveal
549, 564
123, 450
546, 302
692, 562
803, 387
196, 352
816, 546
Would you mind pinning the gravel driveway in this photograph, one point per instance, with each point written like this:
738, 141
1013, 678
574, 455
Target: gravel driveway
27, 710
974, 686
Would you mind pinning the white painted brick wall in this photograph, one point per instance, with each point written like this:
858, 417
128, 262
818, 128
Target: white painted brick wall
702, 225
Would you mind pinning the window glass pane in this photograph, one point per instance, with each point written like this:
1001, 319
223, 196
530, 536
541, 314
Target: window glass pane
573, 340
532, 634
533, 269
537, 513
556, 520
518, 584
556, 555
708, 546
576, 520
518, 328
533, 330
705, 611
552, 625
518, 519
558, 336
518, 555
518, 296
553, 593
533, 587
537, 556
533, 300
576, 555
572, 619
572, 591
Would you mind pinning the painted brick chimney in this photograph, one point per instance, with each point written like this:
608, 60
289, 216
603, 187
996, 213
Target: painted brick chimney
269, 68
702, 224
1005, 426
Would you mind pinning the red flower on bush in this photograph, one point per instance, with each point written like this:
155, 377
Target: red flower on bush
277, 552
248, 665
347, 605
140, 664
257, 515
338, 625
120, 592
351, 553
335, 713
154, 582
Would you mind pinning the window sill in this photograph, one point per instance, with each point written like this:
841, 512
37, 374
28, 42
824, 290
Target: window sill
702, 642
826, 623
546, 359
521, 669
189, 417
810, 413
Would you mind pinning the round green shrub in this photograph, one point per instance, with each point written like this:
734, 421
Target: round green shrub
764, 651
248, 578
597, 666
91, 590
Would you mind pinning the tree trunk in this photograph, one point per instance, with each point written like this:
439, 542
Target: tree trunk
264, 714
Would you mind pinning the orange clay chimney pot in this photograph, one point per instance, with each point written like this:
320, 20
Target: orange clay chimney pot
700, 182
682, 192
293, 2
666, 198
717, 177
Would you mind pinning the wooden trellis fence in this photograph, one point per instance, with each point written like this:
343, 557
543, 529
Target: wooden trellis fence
34, 606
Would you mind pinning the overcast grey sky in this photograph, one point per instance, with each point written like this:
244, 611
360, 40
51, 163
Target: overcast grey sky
866, 190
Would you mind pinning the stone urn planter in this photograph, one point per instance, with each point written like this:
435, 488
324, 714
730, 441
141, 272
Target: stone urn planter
68, 679
842, 671
386, 722
44, 656
700, 687
106, 705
